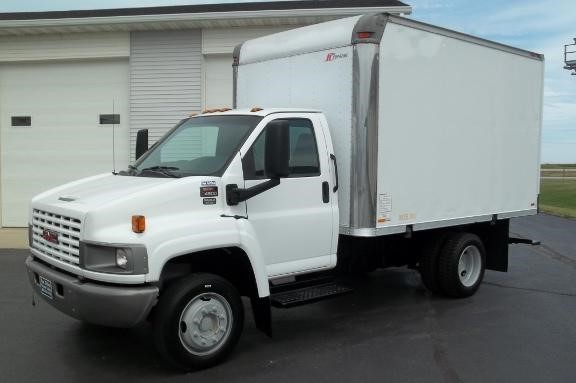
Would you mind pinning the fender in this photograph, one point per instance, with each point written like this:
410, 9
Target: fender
212, 239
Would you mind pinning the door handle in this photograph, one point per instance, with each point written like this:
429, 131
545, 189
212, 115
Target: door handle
325, 192
333, 158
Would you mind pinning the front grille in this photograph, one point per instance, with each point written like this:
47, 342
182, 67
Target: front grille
68, 230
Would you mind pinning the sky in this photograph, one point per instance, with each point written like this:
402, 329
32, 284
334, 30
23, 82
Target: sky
536, 25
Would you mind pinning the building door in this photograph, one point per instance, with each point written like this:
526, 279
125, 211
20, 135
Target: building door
56, 126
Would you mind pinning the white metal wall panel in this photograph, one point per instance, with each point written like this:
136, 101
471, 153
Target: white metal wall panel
459, 129
223, 40
218, 81
66, 141
308, 81
64, 46
165, 80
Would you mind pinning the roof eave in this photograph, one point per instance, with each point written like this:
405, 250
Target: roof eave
185, 20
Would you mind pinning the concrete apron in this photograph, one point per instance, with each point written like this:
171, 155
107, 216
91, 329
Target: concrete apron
13, 238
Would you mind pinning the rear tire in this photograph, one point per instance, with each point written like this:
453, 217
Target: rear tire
428, 263
198, 321
461, 265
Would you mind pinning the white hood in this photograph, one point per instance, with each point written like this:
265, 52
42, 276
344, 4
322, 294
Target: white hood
95, 191
105, 203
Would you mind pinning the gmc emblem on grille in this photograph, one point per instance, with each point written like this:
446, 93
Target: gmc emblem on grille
50, 236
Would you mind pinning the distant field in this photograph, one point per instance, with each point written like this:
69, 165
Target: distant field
558, 197
558, 166
565, 173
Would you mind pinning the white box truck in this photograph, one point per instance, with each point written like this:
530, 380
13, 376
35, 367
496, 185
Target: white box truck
377, 141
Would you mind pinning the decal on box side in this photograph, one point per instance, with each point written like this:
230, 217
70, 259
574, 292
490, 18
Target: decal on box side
209, 191
384, 207
407, 217
209, 201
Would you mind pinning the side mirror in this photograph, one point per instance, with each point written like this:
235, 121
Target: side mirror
276, 158
277, 154
141, 142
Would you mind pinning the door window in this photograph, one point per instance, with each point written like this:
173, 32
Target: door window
303, 152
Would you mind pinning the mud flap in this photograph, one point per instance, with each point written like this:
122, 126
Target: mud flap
262, 311
495, 239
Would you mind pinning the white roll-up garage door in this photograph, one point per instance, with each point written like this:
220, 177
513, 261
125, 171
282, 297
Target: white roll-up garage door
56, 127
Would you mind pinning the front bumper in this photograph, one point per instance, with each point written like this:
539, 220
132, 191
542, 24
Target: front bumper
106, 305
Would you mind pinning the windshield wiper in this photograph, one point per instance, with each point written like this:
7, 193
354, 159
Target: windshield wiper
165, 170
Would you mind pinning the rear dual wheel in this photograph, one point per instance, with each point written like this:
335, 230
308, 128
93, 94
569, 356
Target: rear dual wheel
455, 265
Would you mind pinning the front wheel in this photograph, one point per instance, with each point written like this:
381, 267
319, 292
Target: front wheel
198, 321
461, 265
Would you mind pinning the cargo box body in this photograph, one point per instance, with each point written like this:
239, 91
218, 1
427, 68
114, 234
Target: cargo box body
430, 127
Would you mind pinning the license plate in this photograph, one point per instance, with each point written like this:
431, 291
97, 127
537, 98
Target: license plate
46, 287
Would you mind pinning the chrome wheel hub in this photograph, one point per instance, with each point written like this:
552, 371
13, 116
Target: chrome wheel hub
205, 323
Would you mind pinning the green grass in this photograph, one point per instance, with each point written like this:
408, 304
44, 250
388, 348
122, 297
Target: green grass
565, 174
558, 197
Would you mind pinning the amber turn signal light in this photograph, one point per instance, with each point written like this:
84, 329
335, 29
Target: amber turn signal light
138, 223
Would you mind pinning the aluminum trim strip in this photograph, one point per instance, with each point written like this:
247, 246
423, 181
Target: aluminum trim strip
519, 213
371, 232
235, 64
364, 136
451, 222
374, 232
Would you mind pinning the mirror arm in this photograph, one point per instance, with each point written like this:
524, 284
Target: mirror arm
235, 195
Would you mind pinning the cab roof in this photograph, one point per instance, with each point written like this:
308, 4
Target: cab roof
252, 112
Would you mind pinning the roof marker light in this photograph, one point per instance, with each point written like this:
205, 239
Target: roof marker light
364, 35
255, 109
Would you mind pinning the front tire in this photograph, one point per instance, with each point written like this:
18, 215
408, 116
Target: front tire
198, 321
461, 265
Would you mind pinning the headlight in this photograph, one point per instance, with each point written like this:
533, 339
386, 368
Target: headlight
121, 258
113, 258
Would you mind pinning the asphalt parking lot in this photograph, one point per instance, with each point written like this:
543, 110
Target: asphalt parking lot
519, 327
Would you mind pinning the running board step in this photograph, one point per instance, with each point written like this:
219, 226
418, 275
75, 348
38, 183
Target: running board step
307, 295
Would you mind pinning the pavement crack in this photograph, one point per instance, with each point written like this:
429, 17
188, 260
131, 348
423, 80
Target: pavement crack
530, 289
557, 256
439, 349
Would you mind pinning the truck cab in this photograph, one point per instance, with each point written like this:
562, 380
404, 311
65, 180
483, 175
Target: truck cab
247, 196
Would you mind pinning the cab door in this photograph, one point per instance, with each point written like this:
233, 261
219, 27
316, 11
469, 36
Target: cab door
293, 222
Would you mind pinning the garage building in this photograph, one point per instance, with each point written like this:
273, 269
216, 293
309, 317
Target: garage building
76, 86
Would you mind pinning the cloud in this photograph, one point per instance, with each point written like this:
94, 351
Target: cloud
527, 18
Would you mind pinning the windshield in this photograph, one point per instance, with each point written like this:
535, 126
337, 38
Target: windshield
201, 146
